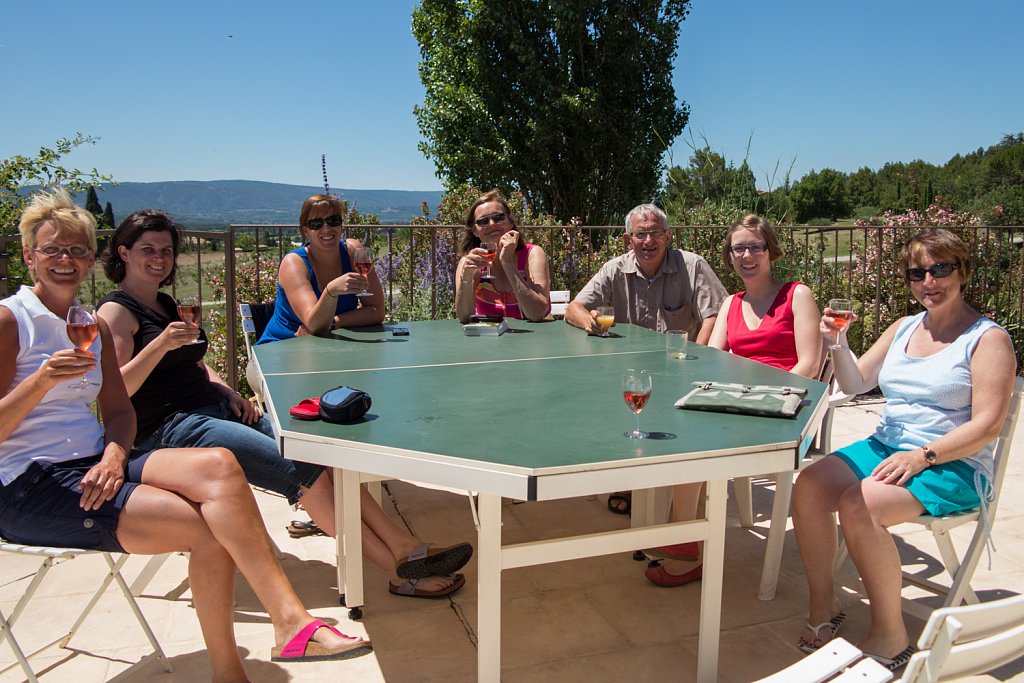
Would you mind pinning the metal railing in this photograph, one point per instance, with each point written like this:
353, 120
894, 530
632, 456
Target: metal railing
417, 263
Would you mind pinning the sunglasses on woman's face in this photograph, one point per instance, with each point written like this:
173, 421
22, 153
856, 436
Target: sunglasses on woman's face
317, 223
493, 218
939, 270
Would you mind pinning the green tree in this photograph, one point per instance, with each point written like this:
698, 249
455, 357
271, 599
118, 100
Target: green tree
568, 101
108, 216
708, 178
820, 194
861, 191
44, 170
92, 203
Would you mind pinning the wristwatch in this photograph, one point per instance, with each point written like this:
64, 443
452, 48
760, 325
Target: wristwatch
929, 456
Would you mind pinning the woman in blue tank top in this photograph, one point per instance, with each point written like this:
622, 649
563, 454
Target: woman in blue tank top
316, 285
947, 375
304, 306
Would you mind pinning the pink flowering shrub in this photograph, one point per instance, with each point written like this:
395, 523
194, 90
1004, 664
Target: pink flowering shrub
876, 275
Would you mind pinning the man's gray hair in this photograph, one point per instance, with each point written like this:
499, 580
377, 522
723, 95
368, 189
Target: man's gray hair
645, 210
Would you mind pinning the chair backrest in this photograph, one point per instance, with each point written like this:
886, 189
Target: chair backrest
255, 318
825, 365
972, 639
1001, 450
559, 301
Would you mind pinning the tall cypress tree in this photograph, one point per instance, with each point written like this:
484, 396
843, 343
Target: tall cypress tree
108, 215
92, 203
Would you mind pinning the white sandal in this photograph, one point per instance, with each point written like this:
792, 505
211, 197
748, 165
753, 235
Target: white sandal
832, 625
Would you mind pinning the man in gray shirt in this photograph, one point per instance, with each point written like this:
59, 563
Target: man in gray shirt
652, 285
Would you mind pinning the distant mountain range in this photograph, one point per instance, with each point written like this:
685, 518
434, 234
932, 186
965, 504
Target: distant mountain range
222, 202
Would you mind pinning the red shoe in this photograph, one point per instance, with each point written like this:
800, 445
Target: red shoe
680, 551
306, 409
659, 577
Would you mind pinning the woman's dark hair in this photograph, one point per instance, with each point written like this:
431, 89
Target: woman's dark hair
468, 239
129, 232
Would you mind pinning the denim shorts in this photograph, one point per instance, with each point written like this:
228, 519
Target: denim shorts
254, 447
941, 489
42, 506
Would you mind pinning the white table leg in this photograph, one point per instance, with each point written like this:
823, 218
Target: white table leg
349, 543
339, 531
776, 536
711, 583
489, 589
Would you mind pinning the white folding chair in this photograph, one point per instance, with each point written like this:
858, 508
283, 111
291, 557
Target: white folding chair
254, 320
956, 642
960, 570
51, 557
559, 302
832, 658
968, 640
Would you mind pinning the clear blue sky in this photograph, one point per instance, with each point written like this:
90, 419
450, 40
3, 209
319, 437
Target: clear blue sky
258, 90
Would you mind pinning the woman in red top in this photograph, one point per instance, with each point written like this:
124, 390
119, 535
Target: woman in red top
773, 322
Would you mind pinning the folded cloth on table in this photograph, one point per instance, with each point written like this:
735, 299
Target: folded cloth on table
727, 397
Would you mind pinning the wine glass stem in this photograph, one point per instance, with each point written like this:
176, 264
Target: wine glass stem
637, 430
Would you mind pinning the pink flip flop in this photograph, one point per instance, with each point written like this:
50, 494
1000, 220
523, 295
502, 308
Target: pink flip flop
302, 648
306, 409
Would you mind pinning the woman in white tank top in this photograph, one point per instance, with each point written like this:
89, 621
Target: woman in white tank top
947, 375
96, 489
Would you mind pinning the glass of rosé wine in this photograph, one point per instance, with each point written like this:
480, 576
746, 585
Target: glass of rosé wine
636, 391
362, 262
490, 252
842, 314
82, 331
190, 310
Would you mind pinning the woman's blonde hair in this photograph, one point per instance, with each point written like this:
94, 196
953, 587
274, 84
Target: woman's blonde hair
56, 206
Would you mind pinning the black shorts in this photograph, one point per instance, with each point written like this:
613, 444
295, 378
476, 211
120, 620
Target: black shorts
42, 506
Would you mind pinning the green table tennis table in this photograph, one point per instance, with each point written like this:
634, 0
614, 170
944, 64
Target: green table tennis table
559, 391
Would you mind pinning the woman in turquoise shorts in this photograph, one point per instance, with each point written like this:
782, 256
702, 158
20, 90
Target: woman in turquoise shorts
947, 374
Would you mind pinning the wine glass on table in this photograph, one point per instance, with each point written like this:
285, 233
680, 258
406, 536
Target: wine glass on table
362, 261
606, 319
842, 314
82, 331
489, 253
190, 310
636, 390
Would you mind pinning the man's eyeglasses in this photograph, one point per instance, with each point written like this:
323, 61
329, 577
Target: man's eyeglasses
939, 270
74, 251
642, 235
493, 218
317, 223
755, 249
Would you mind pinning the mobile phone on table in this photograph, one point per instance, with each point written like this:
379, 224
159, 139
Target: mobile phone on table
399, 331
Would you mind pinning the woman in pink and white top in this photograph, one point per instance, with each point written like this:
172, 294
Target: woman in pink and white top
520, 281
